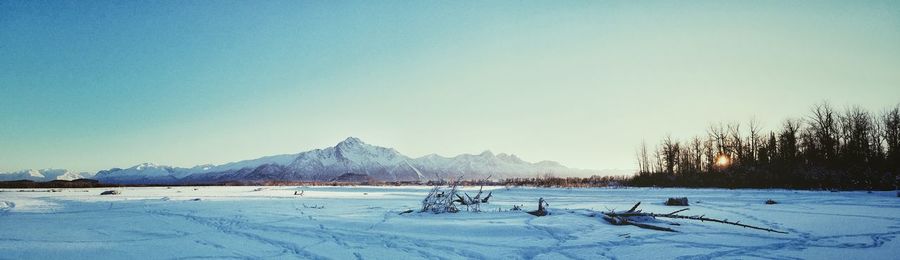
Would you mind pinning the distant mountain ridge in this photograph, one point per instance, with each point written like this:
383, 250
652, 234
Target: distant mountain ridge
351, 159
44, 175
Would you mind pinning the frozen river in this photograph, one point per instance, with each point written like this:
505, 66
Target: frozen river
363, 223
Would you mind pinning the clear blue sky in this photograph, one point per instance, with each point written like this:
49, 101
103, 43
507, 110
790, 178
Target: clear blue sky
89, 85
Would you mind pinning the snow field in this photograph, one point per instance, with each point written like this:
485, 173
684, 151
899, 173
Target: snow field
363, 223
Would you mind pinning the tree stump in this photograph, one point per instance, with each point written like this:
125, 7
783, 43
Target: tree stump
683, 201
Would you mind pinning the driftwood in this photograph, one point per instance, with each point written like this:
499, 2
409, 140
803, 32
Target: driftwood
441, 199
111, 192
473, 203
541, 211
634, 217
485, 199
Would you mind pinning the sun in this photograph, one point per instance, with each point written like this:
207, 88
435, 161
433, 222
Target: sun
723, 160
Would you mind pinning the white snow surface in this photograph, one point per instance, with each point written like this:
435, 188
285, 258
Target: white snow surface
363, 223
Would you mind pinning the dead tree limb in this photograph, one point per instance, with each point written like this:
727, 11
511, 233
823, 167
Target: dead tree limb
445, 199
635, 207
680, 210
473, 203
648, 226
619, 221
441, 199
702, 219
485, 200
541, 211
623, 218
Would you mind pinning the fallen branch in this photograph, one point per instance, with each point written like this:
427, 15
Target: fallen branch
617, 220
632, 216
541, 211
473, 203
441, 199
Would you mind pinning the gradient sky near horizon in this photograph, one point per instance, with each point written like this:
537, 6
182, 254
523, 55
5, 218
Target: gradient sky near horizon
90, 85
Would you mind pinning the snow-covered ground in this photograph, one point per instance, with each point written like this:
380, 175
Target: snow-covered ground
363, 223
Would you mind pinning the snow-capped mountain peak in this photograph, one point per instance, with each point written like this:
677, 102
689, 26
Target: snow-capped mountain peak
350, 156
351, 141
145, 166
43, 175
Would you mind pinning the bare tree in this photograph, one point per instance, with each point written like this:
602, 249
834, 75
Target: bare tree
709, 151
717, 134
823, 127
697, 154
787, 140
671, 150
735, 140
891, 124
643, 159
826, 149
753, 139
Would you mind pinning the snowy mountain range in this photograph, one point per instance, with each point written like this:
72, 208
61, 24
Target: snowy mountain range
349, 159
44, 175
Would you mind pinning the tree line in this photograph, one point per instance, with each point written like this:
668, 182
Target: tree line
549, 180
824, 149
